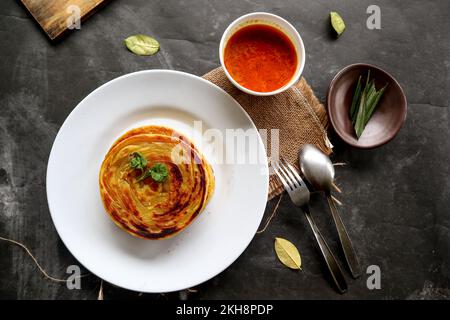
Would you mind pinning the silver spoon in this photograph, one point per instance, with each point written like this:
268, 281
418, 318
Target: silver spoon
319, 171
299, 194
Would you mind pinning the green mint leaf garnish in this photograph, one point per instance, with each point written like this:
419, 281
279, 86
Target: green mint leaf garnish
138, 161
158, 172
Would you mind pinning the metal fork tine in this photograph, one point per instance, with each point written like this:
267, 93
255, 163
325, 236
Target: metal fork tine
289, 173
286, 185
288, 176
293, 170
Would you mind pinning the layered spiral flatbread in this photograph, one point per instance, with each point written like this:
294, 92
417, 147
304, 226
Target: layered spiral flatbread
150, 209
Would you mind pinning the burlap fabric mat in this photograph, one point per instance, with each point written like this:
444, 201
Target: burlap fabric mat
297, 113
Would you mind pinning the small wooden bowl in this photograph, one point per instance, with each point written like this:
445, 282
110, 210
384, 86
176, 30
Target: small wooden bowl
389, 115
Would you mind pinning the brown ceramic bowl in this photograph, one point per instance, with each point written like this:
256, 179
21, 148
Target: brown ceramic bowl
389, 115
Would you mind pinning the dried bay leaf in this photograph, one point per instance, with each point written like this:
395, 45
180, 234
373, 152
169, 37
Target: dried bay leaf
337, 23
288, 253
142, 45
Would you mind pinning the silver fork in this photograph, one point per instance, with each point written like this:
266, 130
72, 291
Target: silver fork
299, 194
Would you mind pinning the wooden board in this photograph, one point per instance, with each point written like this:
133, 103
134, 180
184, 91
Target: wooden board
53, 15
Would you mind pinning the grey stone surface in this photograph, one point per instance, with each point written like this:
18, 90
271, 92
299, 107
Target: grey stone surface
396, 198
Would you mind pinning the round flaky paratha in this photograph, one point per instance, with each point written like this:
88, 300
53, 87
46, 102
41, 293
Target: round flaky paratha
146, 208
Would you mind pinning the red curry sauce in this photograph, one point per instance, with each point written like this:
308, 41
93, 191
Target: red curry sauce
260, 58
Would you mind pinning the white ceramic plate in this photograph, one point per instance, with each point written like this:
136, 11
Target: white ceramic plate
205, 248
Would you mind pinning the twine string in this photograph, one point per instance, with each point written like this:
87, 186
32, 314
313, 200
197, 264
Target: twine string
100, 291
314, 117
40, 268
271, 216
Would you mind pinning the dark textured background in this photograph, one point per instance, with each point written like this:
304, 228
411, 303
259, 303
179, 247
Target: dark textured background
396, 197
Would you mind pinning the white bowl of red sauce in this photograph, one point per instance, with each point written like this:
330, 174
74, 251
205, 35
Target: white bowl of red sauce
262, 54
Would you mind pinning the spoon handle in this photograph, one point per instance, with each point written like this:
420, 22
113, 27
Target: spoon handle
333, 266
346, 243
